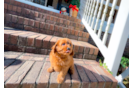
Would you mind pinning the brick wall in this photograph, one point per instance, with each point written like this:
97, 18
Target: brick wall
23, 16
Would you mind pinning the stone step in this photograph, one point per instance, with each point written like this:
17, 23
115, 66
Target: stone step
48, 27
21, 9
30, 71
31, 42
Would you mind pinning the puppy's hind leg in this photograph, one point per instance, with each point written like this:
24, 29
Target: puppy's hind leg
50, 69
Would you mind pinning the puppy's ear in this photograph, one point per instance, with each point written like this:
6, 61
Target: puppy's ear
72, 53
54, 47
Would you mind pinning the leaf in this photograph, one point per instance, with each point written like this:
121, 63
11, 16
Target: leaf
100, 61
101, 64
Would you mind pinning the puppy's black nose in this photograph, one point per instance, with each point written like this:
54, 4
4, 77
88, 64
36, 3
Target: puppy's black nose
68, 48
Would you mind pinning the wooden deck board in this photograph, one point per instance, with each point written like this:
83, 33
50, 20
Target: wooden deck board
30, 70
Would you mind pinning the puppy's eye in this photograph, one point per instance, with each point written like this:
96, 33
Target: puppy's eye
63, 44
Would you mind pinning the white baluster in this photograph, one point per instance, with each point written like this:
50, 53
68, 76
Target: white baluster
87, 9
91, 4
95, 13
92, 12
103, 18
84, 16
109, 21
83, 10
98, 16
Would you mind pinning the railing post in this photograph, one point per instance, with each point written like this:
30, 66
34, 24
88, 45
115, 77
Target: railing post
123, 75
46, 3
118, 38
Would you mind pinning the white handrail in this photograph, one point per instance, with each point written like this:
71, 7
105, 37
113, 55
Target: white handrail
97, 41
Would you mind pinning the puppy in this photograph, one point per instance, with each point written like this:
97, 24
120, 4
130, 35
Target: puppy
61, 58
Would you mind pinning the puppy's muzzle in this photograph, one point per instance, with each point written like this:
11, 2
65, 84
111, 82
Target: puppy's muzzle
68, 48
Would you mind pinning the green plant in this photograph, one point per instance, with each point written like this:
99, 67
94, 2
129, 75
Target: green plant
104, 66
124, 62
75, 2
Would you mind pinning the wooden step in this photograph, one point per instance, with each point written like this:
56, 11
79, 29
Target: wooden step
42, 15
27, 41
47, 27
30, 71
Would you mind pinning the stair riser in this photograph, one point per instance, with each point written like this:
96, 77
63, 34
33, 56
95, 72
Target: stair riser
42, 27
37, 13
41, 44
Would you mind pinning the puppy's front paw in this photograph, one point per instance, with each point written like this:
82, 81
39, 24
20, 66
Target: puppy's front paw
50, 70
60, 79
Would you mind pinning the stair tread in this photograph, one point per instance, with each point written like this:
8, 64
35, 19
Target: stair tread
26, 72
22, 35
18, 8
32, 42
14, 30
44, 27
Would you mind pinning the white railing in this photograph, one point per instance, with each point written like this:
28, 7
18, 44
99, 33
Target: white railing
120, 29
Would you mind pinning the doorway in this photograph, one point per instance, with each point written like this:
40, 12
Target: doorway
49, 2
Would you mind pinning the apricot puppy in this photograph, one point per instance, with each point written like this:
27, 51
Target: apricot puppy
61, 58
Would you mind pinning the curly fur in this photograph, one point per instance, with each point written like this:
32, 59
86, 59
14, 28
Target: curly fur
62, 59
